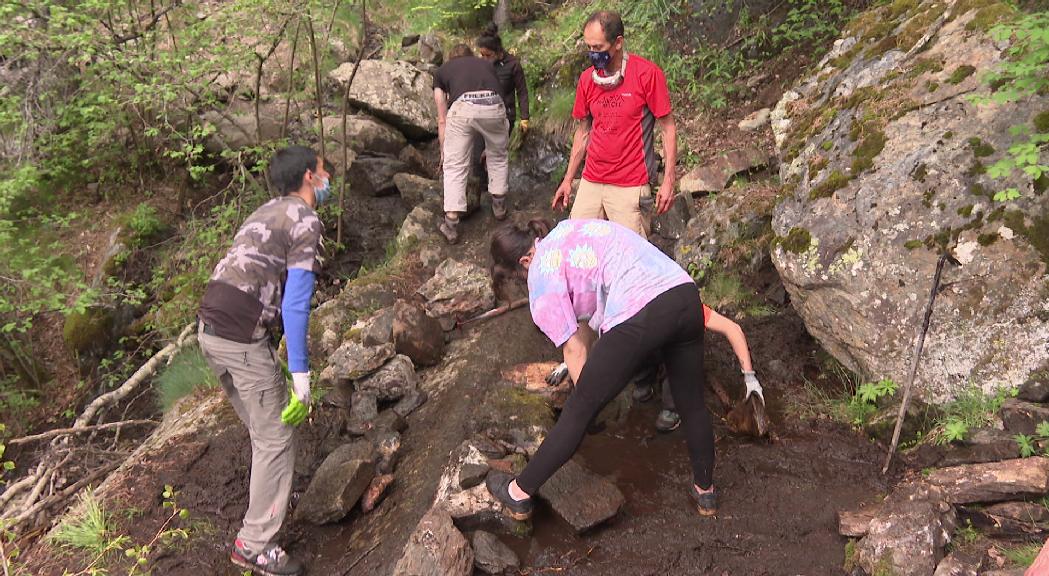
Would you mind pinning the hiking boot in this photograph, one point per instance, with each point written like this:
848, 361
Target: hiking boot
272, 561
643, 392
667, 421
499, 207
706, 503
450, 229
498, 484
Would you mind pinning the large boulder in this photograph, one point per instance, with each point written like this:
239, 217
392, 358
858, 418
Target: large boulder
436, 548
742, 221
336, 487
373, 175
396, 92
492, 556
580, 497
886, 161
417, 335
365, 134
419, 225
458, 290
416, 190
908, 534
393, 380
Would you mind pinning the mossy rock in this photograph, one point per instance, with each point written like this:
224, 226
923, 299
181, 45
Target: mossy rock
867, 150
796, 241
88, 331
920, 418
834, 182
961, 73
507, 406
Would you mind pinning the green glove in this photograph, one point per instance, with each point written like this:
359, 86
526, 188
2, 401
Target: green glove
295, 412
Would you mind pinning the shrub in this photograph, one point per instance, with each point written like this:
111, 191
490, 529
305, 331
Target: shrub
187, 372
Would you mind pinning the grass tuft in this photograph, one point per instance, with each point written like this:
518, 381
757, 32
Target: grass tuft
187, 372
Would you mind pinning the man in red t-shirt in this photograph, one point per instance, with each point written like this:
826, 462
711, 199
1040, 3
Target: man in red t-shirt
618, 101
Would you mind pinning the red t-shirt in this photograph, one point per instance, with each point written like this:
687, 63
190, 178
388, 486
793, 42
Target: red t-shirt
621, 150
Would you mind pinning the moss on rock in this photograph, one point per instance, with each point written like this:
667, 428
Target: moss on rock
867, 150
961, 73
796, 241
980, 148
88, 330
834, 182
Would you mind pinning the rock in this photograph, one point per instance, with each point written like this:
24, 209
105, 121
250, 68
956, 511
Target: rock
429, 257
411, 401
409, 40
396, 92
364, 134
386, 422
580, 497
370, 296
353, 360
959, 563
755, 120
908, 535
430, 49
375, 492
472, 474
236, 130
373, 175
492, 556
363, 410
436, 548
855, 523
1022, 417
418, 162
738, 224
870, 203
418, 226
393, 380
983, 445
532, 377
334, 490
417, 190
513, 464
458, 290
714, 176
671, 224
376, 329
1009, 520
417, 335
883, 423
473, 508
1036, 388
388, 445
993, 482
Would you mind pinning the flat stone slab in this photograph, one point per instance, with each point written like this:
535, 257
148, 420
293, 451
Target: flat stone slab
994, 481
436, 548
334, 490
580, 497
1022, 417
492, 556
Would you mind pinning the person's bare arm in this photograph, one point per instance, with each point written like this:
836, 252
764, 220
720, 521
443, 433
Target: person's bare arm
563, 196
665, 196
729, 329
441, 99
576, 349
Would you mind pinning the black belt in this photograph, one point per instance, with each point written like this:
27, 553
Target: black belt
210, 331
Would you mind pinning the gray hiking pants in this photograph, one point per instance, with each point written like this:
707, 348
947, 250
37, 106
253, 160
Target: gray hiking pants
252, 380
465, 122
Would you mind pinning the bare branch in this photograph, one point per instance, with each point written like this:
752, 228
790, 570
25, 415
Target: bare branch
78, 430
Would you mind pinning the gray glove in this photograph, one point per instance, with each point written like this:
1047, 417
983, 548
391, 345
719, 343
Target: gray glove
557, 375
753, 387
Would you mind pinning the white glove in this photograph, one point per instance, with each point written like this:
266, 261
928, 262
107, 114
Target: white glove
300, 385
753, 387
557, 374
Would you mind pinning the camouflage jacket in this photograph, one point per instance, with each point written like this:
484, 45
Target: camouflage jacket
242, 299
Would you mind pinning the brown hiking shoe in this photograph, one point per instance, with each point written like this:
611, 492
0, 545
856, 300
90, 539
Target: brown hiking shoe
450, 229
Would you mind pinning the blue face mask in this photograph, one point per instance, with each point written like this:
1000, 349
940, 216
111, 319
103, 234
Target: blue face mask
323, 193
600, 60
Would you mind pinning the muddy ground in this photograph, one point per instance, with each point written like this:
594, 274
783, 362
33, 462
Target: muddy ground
778, 499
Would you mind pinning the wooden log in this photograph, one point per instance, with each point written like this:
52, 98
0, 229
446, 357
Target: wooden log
993, 481
1009, 520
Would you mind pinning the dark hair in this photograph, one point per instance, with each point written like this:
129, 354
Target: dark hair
489, 39
289, 166
459, 50
611, 24
509, 243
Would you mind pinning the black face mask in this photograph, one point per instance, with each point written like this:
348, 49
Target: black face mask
600, 60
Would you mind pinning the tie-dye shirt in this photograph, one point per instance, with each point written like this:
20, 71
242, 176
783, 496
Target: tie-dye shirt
595, 269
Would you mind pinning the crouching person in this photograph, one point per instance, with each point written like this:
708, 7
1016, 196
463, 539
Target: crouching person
266, 279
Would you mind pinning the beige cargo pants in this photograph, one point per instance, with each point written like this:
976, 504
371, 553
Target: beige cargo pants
252, 380
620, 204
465, 120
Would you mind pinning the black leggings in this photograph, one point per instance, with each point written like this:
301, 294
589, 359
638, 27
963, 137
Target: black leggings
672, 325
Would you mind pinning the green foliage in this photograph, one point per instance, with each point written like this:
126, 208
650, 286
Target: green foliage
187, 372
966, 534
92, 530
971, 409
143, 225
1022, 555
1021, 74
864, 402
1026, 444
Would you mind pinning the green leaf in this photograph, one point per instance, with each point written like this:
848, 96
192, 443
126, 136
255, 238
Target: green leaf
1042, 429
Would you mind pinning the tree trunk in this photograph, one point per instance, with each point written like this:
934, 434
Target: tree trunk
502, 15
